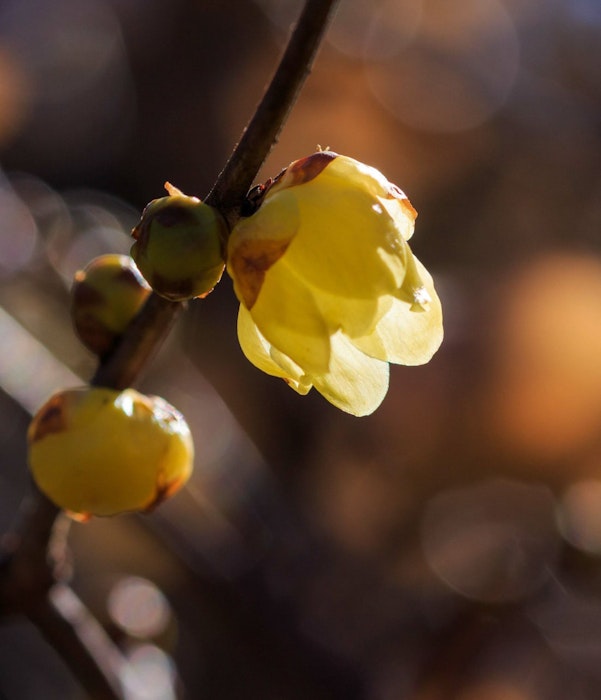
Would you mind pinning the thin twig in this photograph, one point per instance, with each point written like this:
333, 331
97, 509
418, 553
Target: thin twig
35, 558
30, 561
142, 339
263, 130
70, 628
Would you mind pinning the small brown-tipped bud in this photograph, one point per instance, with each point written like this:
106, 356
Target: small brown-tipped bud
98, 451
105, 297
179, 246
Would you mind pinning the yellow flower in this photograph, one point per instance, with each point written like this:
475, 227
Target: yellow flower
330, 291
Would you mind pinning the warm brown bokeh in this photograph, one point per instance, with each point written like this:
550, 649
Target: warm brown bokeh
447, 547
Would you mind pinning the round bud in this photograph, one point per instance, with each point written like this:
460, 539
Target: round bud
179, 246
98, 451
105, 296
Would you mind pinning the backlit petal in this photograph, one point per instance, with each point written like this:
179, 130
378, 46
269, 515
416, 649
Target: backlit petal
330, 291
261, 354
355, 317
258, 242
289, 318
408, 334
355, 382
392, 198
401, 210
348, 242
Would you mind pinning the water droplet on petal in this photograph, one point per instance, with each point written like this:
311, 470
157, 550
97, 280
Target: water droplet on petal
421, 299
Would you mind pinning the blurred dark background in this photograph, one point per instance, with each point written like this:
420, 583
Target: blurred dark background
447, 547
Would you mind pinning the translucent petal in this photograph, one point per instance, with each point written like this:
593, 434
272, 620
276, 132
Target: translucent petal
409, 333
402, 213
289, 318
355, 383
295, 378
257, 242
330, 291
391, 197
266, 358
343, 231
254, 345
361, 175
355, 317
347, 242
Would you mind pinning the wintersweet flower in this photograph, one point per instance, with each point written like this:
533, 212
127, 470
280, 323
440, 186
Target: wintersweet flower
329, 290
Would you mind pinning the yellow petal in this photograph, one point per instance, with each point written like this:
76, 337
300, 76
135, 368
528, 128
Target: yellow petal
263, 356
409, 333
390, 196
289, 318
257, 242
341, 223
400, 209
355, 383
417, 284
356, 174
342, 235
355, 317
295, 377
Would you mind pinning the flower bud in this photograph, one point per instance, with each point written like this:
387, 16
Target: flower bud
98, 451
179, 246
105, 297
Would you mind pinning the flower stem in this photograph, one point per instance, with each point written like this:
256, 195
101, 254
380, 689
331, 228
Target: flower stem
263, 129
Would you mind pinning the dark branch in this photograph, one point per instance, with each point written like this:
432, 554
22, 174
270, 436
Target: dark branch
31, 555
263, 129
143, 337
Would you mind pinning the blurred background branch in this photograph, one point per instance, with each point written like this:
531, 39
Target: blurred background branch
313, 555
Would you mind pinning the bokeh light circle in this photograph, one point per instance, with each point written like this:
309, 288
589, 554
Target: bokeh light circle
456, 72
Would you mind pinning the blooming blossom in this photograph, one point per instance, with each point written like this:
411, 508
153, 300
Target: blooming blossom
329, 290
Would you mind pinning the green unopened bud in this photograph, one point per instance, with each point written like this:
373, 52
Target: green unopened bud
105, 296
179, 246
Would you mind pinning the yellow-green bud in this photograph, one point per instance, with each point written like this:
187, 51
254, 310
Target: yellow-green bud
179, 246
98, 451
105, 297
